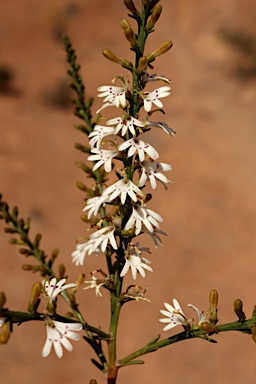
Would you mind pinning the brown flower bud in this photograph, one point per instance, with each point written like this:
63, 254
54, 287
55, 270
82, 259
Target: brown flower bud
254, 312
238, 308
6, 332
160, 51
35, 296
130, 36
116, 59
156, 13
131, 7
2, 300
125, 24
143, 62
253, 329
62, 270
27, 267
213, 298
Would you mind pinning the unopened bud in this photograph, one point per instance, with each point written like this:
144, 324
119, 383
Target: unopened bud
160, 51
27, 267
143, 62
209, 328
53, 257
238, 308
80, 279
35, 298
82, 186
213, 298
130, 36
254, 312
131, 7
5, 332
72, 300
116, 59
156, 13
37, 239
93, 381
62, 270
2, 300
125, 24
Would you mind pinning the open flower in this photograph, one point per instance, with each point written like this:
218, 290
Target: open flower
125, 124
58, 334
154, 96
174, 315
152, 171
104, 156
52, 288
123, 187
111, 103
111, 92
93, 204
141, 147
97, 242
96, 283
202, 318
142, 215
136, 263
98, 133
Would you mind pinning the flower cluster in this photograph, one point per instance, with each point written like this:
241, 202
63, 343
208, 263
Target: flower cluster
122, 142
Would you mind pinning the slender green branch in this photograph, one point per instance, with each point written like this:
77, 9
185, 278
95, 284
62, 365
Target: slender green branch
198, 333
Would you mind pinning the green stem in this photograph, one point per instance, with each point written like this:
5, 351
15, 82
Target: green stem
198, 333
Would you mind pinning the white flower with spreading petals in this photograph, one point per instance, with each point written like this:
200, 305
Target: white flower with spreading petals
93, 204
98, 133
58, 334
52, 288
152, 171
139, 146
142, 215
97, 242
123, 187
111, 92
174, 316
124, 124
104, 156
154, 96
155, 235
96, 283
136, 263
162, 125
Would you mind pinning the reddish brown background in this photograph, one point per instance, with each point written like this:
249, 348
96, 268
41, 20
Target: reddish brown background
209, 211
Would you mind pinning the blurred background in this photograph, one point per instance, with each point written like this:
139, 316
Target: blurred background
209, 211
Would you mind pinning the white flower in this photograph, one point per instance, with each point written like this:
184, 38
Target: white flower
125, 124
58, 334
154, 96
111, 92
139, 146
94, 203
174, 316
111, 103
162, 125
52, 288
104, 156
155, 235
151, 171
80, 252
123, 187
97, 242
143, 215
148, 78
98, 133
136, 263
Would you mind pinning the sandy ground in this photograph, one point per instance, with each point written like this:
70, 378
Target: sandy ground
209, 210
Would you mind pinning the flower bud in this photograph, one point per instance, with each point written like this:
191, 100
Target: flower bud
213, 306
125, 24
143, 62
62, 270
2, 300
156, 13
238, 308
130, 36
93, 381
253, 329
80, 279
131, 7
254, 312
27, 267
5, 332
34, 299
116, 59
160, 51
